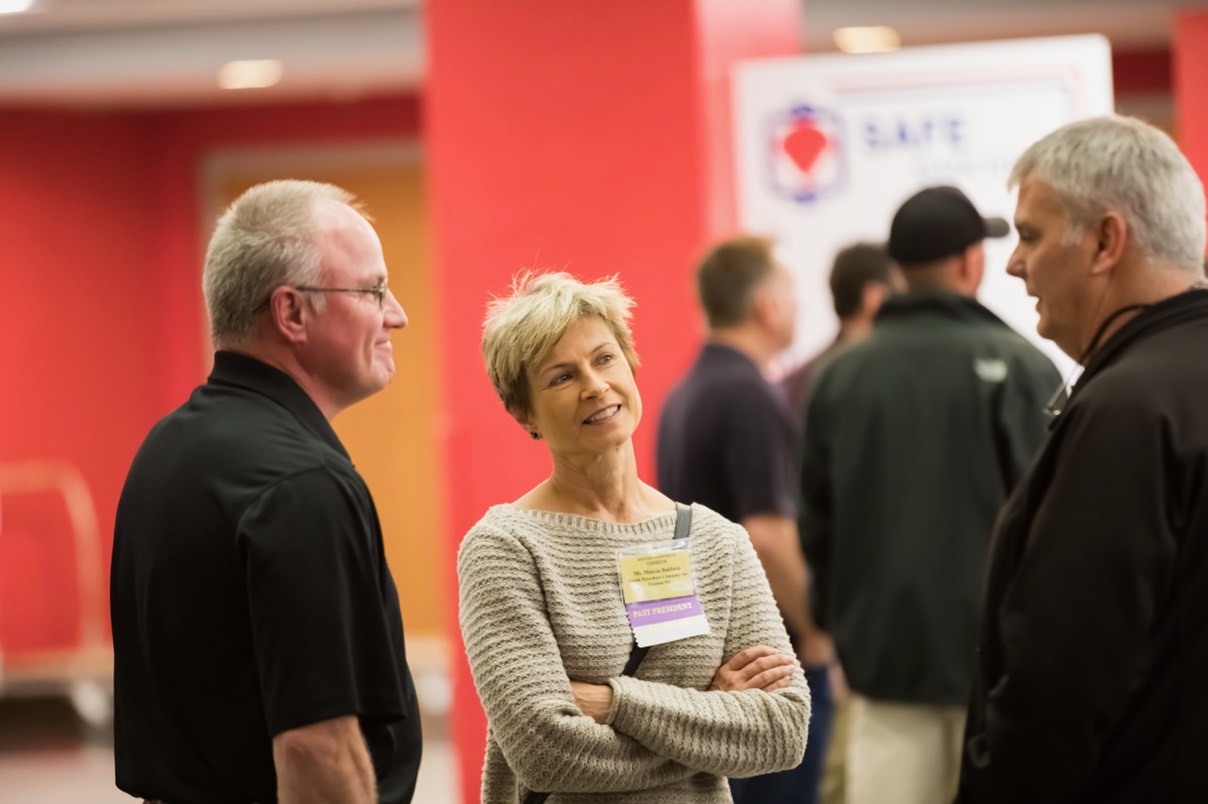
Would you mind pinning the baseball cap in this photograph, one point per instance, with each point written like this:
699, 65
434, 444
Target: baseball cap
938, 222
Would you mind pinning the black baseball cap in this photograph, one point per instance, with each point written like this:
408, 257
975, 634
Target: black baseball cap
938, 222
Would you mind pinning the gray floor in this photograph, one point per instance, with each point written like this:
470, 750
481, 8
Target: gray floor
48, 755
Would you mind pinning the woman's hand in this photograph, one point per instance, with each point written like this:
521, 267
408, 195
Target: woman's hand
594, 700
756, 668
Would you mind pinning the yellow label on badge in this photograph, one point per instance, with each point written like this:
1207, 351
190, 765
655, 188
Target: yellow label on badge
656, 576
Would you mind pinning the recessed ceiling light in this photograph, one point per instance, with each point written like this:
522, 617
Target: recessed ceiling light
867, 39
15, 6
254, 74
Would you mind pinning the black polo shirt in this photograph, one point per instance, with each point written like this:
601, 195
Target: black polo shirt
250, 595
727, 440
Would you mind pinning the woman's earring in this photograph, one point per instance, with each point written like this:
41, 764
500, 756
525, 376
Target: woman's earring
534, 434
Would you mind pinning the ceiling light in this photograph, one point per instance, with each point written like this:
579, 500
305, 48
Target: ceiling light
869, 39
250, 74
15, 6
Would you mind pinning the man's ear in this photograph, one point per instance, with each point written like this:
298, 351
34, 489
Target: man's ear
971, 267
1111, 235
762, 303
290, 314
872, 296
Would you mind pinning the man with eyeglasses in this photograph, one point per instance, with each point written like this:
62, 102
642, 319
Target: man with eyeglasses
1093, 655
257, 636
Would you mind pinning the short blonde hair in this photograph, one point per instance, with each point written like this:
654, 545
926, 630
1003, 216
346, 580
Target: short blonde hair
521, 328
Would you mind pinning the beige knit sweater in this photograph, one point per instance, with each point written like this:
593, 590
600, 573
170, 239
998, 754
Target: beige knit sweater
541, 604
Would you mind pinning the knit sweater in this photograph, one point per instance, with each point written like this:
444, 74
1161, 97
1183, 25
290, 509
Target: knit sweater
541, 605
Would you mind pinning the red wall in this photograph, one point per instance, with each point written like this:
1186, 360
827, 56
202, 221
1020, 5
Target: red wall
76, 361
1190, 80
1141, 72
580, 137
101, 313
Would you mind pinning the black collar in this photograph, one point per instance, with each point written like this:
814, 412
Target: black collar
941, 302
1187, 305
242, 371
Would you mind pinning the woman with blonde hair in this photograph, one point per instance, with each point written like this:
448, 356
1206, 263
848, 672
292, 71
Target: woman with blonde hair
555, 586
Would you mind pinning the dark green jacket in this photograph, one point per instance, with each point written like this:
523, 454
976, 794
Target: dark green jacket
913, 440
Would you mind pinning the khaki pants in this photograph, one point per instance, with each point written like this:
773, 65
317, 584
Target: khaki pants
903, 753
834, 772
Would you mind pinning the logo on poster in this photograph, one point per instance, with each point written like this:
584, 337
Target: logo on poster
807, 159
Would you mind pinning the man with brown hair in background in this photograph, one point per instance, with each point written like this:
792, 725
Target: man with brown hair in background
862, 277
725, 414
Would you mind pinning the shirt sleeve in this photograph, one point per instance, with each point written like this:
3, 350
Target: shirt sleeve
726, 733
1077, 615
547, 741
320, 630
759, 455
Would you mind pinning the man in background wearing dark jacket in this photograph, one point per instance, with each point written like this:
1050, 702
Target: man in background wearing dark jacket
913, 440
1090, 680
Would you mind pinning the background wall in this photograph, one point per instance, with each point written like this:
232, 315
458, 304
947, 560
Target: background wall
79, 328
104, 216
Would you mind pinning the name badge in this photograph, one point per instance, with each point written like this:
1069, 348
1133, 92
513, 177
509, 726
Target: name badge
660, 592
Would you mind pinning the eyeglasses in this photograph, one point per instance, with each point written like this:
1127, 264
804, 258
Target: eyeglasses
378, 292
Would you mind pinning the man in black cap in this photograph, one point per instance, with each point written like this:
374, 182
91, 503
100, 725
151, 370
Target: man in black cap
913, 440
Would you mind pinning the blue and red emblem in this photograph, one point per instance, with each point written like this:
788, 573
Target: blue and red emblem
806, 154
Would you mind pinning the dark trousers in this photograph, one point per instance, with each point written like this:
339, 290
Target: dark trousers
799, 785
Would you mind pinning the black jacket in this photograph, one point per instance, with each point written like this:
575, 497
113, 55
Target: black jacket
913, 440
1092, 676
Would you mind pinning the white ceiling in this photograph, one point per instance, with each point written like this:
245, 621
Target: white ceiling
167, 52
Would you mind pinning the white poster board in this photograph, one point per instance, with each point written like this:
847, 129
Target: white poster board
828, 147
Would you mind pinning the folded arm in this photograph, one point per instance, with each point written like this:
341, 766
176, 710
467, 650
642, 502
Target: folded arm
729, 733
548, 742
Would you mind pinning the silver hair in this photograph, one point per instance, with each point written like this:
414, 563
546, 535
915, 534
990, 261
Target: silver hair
1123, 164
264, 240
